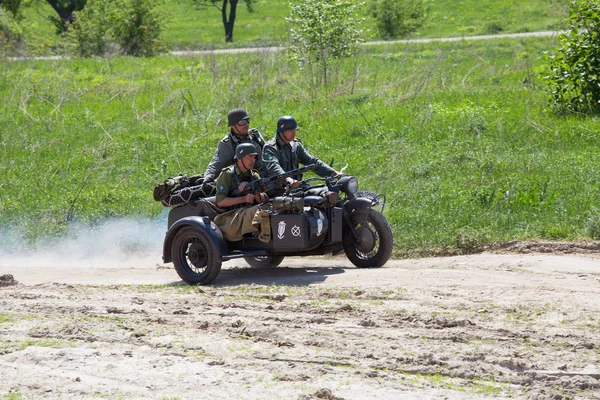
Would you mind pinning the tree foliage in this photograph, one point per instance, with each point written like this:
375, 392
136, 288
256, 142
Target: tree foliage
324, 30
227, 18
574, 80
398, 18
131, 27
12, 6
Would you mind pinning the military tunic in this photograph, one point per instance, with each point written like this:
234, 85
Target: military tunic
243, 218
279, 157
230, 178
226, 150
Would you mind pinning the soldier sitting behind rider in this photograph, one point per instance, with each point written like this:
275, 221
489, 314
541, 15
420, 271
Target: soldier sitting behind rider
230, 184
238, 120
284, 152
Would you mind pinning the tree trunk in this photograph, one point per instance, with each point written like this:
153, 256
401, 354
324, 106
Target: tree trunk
64, 12
228, 24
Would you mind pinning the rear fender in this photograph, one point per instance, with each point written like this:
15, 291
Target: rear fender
204, 224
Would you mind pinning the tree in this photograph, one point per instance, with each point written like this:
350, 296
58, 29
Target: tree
324, 30
65, 9
398, 18
574, 78
228, 20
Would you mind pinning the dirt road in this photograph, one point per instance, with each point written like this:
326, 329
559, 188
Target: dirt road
470, 327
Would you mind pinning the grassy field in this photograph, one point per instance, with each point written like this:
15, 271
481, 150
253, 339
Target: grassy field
457, 135
191, 28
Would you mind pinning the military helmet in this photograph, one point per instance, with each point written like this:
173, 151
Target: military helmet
285, 123
236, 116
244, 149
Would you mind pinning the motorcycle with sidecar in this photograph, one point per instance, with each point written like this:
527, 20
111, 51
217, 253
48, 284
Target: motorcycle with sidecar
328, 217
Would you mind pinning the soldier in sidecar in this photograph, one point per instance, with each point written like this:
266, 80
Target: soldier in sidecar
339, 218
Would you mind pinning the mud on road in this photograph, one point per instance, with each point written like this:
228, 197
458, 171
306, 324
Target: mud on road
471, 327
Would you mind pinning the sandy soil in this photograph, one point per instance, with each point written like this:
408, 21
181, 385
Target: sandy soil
470, 327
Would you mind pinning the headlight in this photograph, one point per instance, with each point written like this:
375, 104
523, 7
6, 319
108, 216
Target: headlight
353, 185
349, 184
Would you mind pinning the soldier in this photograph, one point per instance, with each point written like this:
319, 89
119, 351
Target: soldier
230, 183
238, 121
284, 152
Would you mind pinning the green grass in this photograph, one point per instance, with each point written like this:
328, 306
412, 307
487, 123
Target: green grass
457, 135
188, 27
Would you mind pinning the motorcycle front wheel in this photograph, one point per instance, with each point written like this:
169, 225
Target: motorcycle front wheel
375, 240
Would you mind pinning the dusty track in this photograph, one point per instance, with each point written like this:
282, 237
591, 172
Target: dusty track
483, 326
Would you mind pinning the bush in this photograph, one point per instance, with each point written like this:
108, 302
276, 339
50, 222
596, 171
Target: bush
11, 33
139, 29
574, 79
12, 6
131, 27
398, 18
91, 33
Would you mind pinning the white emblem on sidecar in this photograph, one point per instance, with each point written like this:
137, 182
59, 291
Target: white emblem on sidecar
296, 230
319, 227
281, 230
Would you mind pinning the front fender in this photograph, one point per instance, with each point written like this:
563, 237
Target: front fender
358, 204
211, 230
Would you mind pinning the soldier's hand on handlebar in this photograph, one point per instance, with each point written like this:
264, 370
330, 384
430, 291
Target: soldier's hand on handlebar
293, 183
249, 198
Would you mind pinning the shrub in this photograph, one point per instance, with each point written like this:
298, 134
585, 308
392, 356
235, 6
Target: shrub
132, 27
12, 6
139, 29
574, 79
11, 33
91, 32
398, 18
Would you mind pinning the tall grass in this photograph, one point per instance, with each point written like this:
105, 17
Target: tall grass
457, 135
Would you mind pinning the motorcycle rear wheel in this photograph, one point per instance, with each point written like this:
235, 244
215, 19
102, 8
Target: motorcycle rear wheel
194, 256
262, 262
374, 247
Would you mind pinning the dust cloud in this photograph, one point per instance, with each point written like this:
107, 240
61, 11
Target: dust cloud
123, 242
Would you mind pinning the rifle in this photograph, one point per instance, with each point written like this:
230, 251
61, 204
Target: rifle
263, 185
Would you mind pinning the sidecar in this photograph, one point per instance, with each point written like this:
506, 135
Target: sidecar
302, 224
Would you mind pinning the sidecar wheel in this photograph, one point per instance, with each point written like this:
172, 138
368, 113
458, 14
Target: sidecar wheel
194, 256
374, 247
262, 262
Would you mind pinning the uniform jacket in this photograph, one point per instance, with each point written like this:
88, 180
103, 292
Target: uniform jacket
226, 150
279, 157
230, 178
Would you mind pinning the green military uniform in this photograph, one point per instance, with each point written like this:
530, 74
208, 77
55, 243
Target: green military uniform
244, 219
229, 180
226, 150
279, 157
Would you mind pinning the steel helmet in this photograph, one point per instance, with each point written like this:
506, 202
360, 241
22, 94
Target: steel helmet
236, 116
286, 123
244, 149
